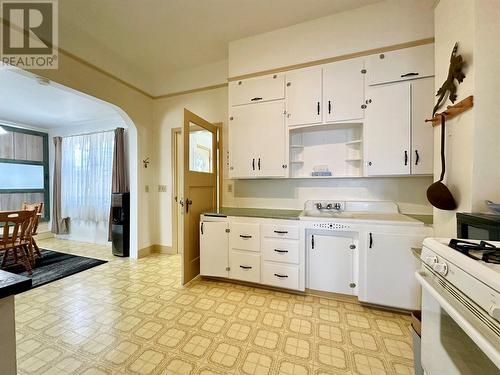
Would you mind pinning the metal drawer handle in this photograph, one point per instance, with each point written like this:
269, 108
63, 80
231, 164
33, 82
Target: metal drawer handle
245, 267
280, 276
245, 236
255, 99
281, 251
409, 74
281, 231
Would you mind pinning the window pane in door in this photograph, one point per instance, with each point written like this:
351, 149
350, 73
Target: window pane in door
200, 149
15, 176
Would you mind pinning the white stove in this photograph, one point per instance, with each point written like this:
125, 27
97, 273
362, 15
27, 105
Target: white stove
460, 307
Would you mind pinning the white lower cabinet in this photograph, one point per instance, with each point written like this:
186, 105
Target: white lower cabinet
331, 262
257, 250
387, 269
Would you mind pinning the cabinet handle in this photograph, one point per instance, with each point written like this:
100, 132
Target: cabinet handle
312, 241
253, 164
329, 107
244, 236
371, 241
409, 74
245, 267
280, 276
255, 99
202, 227
281, 251
318, 108
417, 157
281, 231
259, 164
406, 157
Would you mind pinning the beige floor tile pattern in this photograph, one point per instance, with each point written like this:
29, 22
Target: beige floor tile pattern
134, 317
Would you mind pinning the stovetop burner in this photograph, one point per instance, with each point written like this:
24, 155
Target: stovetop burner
483, 250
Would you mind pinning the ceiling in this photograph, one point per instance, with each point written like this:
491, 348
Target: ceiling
27, 102
145, 41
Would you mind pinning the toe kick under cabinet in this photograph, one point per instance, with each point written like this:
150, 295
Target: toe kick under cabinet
257, 250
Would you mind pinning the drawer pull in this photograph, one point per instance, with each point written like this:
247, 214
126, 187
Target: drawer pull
281, 251
245, 267
281, 231
245, 236
255, 99
280, 276
409, 74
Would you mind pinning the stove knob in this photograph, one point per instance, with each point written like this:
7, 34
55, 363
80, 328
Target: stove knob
495, 312
431, 260
441, 268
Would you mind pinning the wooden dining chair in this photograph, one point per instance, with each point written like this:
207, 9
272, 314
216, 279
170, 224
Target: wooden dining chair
38, 207
15, 238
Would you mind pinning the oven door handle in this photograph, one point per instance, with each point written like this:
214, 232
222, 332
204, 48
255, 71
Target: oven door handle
461, 315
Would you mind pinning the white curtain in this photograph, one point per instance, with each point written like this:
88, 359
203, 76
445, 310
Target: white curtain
86, 174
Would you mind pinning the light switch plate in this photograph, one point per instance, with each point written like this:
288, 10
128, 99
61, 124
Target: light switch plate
230, 188
146, 188
162, 188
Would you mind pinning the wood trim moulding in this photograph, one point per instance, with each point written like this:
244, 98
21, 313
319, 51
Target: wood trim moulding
192, 91
348, 56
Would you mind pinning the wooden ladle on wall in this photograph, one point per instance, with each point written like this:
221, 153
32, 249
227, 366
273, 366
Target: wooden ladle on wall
438, 193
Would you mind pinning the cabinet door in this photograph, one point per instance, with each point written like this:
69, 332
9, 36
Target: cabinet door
241, 142
399, 65
214, 248
387, 130
255, 90
269, 139
330, 263
389, 271
343, 91
303, 95
422, 133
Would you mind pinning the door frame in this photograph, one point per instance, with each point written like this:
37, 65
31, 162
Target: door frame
175, 177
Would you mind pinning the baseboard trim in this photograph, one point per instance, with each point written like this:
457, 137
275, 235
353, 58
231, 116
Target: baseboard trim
156, 249
44, 235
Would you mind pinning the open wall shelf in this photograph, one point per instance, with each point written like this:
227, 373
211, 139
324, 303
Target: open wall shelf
331, 148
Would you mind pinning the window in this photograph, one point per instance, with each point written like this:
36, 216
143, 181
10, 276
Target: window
24, 168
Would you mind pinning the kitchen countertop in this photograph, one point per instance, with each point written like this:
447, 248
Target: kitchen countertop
10, 284
256, 212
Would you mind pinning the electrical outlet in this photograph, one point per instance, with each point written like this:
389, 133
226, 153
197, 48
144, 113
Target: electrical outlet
146, 188
230, 188
162, 188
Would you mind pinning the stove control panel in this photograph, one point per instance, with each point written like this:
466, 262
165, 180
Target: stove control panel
331, 226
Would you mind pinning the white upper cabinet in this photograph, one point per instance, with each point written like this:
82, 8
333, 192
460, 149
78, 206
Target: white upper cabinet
303, 93
343, 91
422, 133
387, 130
255, 90
404, 64
257, 140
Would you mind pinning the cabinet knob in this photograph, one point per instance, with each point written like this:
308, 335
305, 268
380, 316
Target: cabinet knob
368, 101
352, 247
369, 163
239, 83
284, 166
381, 56
352, 285
231, 118
289, 84
363, 106
363, 71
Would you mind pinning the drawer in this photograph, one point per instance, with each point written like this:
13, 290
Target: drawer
280, 231
280, 251
401, 65
244, 236
280, 275
256, 90
244, 266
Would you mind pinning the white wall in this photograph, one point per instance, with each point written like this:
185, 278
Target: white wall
377, 25
168, 114
473, 174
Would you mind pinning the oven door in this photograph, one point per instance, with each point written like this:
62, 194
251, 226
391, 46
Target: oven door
449, 340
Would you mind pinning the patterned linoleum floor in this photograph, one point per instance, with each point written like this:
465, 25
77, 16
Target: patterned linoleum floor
134, 317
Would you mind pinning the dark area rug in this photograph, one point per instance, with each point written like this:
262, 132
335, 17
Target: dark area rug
54, 265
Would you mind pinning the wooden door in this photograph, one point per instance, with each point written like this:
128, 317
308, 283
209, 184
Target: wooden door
303, 93
343, 91
422, 135
387, 130
200, 186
